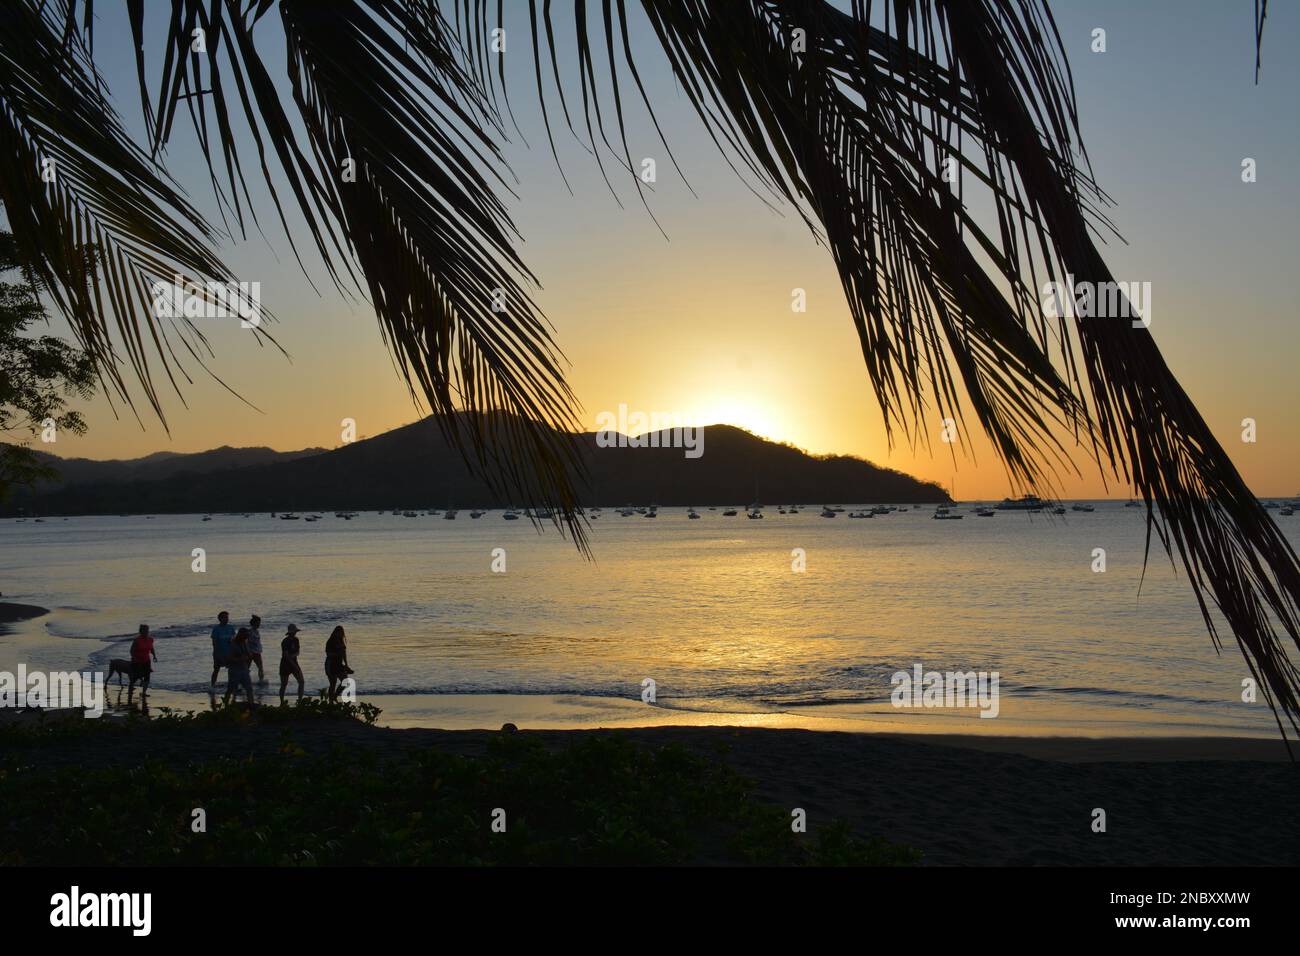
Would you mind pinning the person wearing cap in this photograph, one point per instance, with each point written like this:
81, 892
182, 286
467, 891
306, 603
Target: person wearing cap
255, 645
289, 648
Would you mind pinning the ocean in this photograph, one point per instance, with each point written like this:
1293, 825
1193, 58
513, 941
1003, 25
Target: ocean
713, 611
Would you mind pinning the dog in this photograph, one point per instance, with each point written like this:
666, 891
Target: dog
119, 667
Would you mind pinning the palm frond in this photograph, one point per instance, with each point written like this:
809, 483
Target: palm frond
854, 125
418, 224
96, 221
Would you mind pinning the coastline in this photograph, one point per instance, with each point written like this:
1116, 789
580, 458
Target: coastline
471, 713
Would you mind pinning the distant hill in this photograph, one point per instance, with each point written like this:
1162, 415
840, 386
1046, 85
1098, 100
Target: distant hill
158, 465
413, 466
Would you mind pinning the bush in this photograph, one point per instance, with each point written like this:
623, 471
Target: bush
602, 800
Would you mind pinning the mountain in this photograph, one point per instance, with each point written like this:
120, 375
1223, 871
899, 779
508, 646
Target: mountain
413, 466
161, 464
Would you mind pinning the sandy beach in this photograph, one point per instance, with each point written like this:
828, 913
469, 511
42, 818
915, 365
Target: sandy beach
960, 801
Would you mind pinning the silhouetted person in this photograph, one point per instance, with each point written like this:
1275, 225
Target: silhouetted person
336, 661
222, 635
141, 649
289, 648
255, 645
237, 667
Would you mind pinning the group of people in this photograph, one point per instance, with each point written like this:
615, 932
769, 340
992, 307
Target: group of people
237, 650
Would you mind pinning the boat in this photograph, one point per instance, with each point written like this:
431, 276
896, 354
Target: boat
477, 514
511, 515
1025, 503
1081, 508
754, 514
207, 517
942, 513
729, 513
1287, 511
793, 510
862, 514
828, 512
289, 517
1133, 504
986, 513
691, 514
1058, 510
450, 515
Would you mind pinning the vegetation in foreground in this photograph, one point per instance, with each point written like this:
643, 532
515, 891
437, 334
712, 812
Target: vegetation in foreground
602, 801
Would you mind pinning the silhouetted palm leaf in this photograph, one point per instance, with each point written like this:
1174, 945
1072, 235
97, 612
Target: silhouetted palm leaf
94, 219
855, 131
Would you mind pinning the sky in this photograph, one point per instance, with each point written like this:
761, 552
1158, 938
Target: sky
700, 325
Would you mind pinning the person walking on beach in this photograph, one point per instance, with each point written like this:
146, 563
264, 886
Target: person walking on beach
237, 662
222, 635
141, 649
336, 661
255, 645
289, 648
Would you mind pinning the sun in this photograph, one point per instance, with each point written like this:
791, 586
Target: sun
752, 414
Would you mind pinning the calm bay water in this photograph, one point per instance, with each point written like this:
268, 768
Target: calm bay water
709, 609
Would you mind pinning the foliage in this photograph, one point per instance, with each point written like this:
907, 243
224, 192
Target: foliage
600, 801
38, 374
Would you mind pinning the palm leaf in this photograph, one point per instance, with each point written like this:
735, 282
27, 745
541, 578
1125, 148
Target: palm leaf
854, 131
423, 224
93, 218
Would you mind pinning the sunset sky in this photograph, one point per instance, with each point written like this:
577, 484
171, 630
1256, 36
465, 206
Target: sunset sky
701, 325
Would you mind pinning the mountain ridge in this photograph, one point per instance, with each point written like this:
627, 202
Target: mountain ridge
413, 465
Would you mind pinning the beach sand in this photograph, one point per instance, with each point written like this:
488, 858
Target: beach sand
960, 800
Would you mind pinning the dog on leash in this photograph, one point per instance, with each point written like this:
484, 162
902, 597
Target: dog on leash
119, 667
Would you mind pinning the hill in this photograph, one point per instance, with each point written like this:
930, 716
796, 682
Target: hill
413, 466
